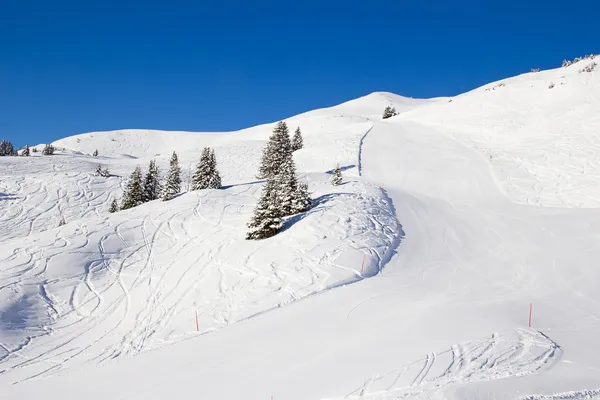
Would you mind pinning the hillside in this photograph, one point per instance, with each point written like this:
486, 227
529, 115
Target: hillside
467, 211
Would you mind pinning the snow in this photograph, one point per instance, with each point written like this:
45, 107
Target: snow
464, 210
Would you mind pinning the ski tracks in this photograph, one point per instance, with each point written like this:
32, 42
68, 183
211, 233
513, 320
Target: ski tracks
522, 352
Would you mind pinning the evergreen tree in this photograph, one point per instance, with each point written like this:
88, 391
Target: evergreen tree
25, 151
48, 150
62, 221
6, 148
152, 186
201, 176
34, 150
95, 153
266, 221
214, 179
173, 185
114, 207
276, 151
336, 180
389, 112
134, 193
292, 196
297, 142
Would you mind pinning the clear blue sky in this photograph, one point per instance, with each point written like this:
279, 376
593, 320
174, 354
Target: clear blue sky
68, 67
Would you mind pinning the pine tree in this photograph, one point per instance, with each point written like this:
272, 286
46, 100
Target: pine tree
297, 142
214, 179
95, 153
277, 149
62, 221
134, 194
114, 206
266, 221
152, 186
6, 148
48, 150
25, 152
173, 185
34, 150
389, 112
202, 174
292, 196
336, 180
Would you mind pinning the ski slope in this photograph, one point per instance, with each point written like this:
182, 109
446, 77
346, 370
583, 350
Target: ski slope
466, 211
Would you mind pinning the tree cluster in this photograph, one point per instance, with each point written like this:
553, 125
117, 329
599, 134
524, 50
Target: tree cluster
141, 189
283, 194
389, 112
6, 148
48, 150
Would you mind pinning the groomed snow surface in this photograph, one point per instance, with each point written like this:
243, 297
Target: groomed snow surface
412, 280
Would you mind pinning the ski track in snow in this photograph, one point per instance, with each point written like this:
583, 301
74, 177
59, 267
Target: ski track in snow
520, 353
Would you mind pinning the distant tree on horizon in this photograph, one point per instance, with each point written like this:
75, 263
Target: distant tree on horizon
25, 152
389, 112
48, 150
95, 153
6, 148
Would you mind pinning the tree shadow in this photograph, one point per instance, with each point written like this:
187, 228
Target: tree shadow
243, 184
344, 168
5, 196
317, 204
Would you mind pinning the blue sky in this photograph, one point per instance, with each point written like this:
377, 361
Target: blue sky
69, 67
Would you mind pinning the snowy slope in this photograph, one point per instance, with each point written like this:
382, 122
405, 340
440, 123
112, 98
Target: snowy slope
104, 286
467, 242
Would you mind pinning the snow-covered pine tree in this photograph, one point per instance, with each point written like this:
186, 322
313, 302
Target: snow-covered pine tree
214, 179
6, 148
25, 152
293, 196
277, 149
48, 150
114, 206
134, 194
173, 184
95, 153
336, 180
62, 221
297, 142
202, 174
389, 112
34, 150
266, 221
152, 186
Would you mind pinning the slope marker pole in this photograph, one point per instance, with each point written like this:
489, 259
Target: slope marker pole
197, 327
362, 269
530, 310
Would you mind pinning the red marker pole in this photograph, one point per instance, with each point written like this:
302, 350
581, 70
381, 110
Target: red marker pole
197, 327
530, 310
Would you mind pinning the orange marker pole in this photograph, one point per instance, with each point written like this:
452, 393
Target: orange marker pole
530, 310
